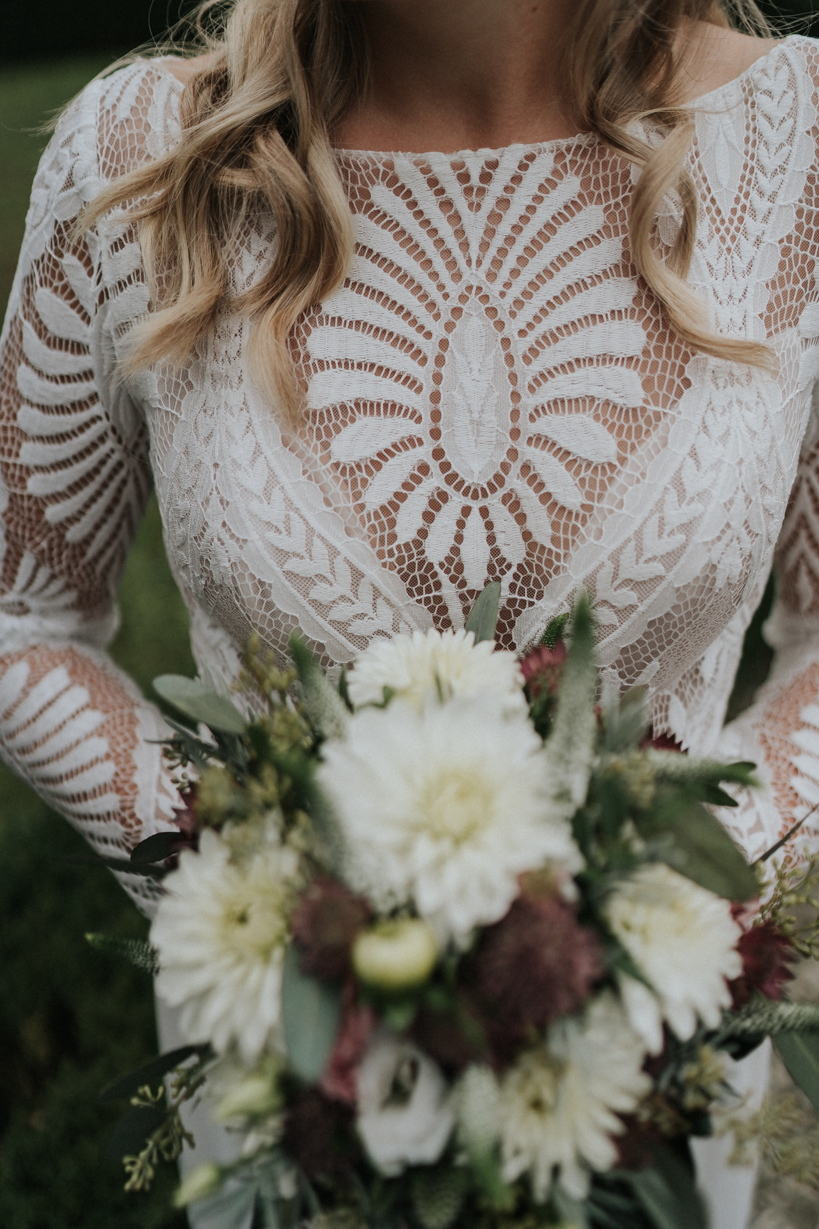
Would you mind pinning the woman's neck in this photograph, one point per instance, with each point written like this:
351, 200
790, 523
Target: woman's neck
476, 74
460, 74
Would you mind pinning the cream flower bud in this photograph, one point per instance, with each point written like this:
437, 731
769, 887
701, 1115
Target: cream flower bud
395, 955
255, 1096
200, 1182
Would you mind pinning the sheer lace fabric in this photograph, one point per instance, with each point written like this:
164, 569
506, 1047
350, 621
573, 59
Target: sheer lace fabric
492, 394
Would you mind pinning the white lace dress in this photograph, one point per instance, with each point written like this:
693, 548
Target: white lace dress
493, 394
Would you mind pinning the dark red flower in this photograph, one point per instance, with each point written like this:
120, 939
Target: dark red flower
357, 1026
635, 1147
318, 1133
327, 919
454, 1036
766, 954
661, 742
542, 669
537, 963
186, 820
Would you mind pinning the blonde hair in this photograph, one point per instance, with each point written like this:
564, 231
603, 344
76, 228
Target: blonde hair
257, 117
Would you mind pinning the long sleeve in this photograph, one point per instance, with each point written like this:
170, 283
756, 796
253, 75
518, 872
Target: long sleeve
74, 480
780, 731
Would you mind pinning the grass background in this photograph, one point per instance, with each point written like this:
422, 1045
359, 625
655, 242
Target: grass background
71, 1020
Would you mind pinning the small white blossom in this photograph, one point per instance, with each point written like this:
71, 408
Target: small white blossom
438, 665
561, 1100
202, 1181
444, 809
220, 932
405, 1115
478, 1109
683, 940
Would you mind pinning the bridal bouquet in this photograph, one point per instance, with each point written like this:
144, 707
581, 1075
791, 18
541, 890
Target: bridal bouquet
453, 943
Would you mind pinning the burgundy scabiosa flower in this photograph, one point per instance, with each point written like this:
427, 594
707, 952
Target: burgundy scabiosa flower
766, 955
542, 669
325, 925
358, 1023
538, 962
318, 1133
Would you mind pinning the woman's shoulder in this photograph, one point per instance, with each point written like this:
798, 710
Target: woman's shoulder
730, 59
127, 115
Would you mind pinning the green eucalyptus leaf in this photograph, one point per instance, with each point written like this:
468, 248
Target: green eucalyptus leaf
156, 848
265, 1212
311, 1010
667, 1194
703, 851
612, 1204
715, 796
151, 1073
122, 865
483, 617
196, 701
800, 1054
231, 1208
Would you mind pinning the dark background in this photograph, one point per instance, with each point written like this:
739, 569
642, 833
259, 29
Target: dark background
72, 1020
46, 28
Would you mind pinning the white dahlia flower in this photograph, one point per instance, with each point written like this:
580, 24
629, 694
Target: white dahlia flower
560, 1102
220, 932
405, 1114
437, 664
443, 809
683, 940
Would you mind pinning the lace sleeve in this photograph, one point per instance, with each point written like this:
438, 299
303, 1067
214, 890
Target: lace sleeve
74, 479
780, 731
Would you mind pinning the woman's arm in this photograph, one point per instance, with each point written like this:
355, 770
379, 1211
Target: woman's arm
781, 729
74, 480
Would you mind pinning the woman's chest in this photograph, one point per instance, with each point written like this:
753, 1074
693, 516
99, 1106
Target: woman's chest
492, 394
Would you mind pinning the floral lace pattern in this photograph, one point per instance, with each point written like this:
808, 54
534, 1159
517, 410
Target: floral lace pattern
492, 394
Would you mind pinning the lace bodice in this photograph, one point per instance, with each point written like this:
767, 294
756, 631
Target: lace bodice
492, 394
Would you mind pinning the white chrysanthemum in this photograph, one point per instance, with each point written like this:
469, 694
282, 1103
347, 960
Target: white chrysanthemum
435, 664
221, 932
561, 1100
443, 809
683, 940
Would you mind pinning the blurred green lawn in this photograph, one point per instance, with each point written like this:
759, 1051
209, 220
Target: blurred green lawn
70, 1020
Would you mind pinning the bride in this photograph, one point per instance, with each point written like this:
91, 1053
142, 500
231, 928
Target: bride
565, 338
